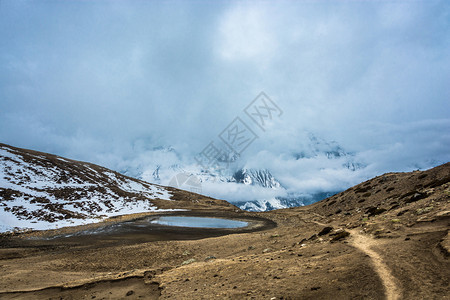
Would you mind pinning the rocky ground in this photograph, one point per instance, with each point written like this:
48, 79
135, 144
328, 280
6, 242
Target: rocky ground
384, 238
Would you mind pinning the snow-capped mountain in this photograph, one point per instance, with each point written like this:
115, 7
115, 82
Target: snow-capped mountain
43, 191
316, 146
256, 177
168, 164
291, 200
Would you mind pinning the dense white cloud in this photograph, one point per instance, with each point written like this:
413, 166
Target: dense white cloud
245, 34
109, 81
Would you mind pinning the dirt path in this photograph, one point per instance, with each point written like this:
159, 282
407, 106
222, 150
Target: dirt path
364, 243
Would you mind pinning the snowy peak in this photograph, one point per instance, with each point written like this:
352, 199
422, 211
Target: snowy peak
256, 177
38, 189
316, 147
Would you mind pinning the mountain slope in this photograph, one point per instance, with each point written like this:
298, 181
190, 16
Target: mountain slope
42, 191
408, 196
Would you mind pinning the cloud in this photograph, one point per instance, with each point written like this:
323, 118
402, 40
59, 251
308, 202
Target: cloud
107, 82
244, 34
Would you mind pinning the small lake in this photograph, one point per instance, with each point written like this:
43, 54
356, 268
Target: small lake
159, 228
199, 222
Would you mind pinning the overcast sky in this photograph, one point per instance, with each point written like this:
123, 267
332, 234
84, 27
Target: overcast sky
105, 81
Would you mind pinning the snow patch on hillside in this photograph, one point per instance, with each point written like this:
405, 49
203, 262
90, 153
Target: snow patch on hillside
48, 192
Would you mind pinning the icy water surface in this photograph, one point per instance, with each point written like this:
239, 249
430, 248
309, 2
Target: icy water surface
199, 222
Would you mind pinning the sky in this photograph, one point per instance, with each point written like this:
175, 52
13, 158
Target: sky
108, 81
